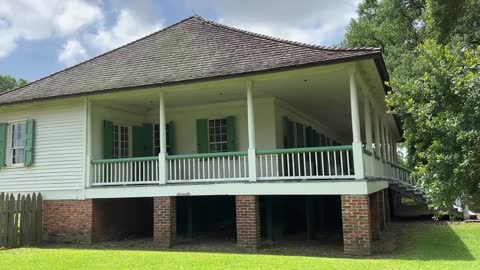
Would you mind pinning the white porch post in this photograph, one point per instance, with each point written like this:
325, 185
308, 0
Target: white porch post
357, 139
368, 136
377, 136
162, 156
88, 152
252, 159
382, 139
387, 144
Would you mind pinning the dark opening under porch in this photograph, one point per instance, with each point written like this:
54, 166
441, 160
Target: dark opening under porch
206, 218
120, 219
300, 218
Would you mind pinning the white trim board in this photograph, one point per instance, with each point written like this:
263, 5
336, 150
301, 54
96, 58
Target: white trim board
336, 187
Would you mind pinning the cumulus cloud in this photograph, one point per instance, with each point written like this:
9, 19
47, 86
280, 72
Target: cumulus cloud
129, 26
72, 53
77, 14
310, 21
37, 20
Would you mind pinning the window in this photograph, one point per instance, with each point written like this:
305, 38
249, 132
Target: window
217, 135
156, 139
17, 134
121, 141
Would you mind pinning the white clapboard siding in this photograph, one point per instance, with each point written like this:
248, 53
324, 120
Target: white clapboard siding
59, 147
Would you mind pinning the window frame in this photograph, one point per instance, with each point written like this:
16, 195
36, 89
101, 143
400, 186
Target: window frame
130, 141
156, 143
225, 142
9, 148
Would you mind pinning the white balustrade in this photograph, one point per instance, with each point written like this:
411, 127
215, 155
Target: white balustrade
331, 162
129, 171
207, 167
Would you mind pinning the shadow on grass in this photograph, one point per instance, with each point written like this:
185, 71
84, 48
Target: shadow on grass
421, 241
426, 241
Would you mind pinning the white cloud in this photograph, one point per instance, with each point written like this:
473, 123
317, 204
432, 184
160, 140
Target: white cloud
77, 14
129, 26
72, 53
38, 20
310, 21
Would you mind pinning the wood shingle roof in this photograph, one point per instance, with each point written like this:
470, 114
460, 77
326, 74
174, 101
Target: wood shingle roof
192, 49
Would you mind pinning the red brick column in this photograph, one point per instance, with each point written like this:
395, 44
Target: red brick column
381, 209
387, 206
357, 237
398, 200
164, 221
248, 221
375, 216
68, 221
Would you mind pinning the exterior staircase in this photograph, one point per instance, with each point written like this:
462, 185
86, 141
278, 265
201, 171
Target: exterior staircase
408, 190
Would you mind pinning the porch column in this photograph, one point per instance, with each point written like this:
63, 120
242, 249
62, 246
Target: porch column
162, 156
88, 123
394, 151
368, 136
382, 139
377, 136
357, 137
387, 144
252, 159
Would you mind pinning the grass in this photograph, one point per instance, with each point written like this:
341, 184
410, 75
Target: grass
422, 246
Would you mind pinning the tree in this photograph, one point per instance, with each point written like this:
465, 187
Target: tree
432, 54
8, 82
440, 108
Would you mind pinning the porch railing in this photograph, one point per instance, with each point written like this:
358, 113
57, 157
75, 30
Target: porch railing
207, 167
305, 163
125, 171
329, 162
402, 174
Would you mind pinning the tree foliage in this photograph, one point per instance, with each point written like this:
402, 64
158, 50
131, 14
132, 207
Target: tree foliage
440, 108
431, 48
8, 82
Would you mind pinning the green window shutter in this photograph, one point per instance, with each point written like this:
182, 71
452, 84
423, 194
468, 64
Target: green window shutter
202, 136
231, 139
171, 138
107, 139
285, 132
3, 143
147, 132
138, 145
300, 135
323, 140
316, 139
309, 136
288, 133
29, 135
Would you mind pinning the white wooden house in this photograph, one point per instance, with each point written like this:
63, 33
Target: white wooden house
201, 110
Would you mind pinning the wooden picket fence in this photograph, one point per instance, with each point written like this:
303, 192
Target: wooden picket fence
20, 220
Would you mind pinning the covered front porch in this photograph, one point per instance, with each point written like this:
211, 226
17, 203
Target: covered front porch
300, 125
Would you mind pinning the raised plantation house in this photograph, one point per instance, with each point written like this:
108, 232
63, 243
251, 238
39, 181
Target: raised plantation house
203, 131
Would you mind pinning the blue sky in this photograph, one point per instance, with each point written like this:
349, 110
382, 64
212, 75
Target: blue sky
51, 35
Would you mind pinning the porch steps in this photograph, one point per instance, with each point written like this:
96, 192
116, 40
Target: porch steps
409, 191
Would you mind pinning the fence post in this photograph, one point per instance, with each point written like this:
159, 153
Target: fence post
39, 218
2, 219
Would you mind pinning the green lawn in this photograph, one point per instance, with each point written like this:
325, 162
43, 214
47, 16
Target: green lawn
429, 246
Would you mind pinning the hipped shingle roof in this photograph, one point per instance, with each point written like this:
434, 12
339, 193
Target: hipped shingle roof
192, 49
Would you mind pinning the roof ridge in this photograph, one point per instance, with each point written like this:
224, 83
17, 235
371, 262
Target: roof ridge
102, 54
291, 42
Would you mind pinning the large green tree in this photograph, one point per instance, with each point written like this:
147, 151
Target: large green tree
8, 82
430, 47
